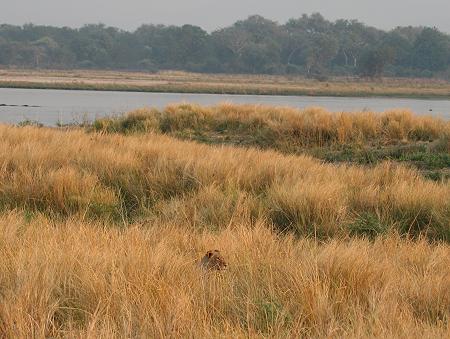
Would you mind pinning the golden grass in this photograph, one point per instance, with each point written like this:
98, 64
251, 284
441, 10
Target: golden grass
100, 235
282, 127
74, 279
221, 83
126, 178
422, 142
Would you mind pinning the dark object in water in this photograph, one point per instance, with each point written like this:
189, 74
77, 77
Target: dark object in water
6, 105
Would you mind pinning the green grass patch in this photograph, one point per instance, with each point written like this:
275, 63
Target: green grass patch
368, 225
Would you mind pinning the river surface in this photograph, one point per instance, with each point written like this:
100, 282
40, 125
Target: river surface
65, 106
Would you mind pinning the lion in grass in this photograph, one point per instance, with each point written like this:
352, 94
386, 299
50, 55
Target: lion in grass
213, 260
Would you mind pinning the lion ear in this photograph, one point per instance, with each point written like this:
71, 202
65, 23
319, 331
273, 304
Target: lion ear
209, 254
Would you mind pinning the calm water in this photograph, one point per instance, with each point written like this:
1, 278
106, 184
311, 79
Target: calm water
52, 106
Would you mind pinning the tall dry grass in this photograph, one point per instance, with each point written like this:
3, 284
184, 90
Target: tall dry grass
100, 234
281, 127
151, 177
74, 279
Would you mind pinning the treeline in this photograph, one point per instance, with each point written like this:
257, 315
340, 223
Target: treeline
310, 45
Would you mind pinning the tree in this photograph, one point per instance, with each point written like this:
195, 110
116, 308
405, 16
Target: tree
309, 45
353, 38
373, 62
233, 38
192, 47
398, 47
431, 50
93, 44
323, 49
250, 45
296, 44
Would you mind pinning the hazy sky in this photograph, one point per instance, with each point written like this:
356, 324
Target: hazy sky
213, 14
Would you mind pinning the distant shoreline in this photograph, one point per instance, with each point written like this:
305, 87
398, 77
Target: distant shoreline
181, 82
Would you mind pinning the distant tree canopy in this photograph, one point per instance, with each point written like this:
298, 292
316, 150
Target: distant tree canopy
309, 45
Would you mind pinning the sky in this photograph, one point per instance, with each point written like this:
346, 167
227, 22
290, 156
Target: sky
214, 14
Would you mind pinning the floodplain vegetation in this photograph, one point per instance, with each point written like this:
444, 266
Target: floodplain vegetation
187, 82
362, 137
102, 226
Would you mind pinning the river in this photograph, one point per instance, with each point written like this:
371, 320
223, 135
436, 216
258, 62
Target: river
65, 106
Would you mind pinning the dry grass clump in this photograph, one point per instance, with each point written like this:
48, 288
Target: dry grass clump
76, 279
149, 177
280, 127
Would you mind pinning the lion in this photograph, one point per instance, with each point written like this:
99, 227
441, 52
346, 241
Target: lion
213, 260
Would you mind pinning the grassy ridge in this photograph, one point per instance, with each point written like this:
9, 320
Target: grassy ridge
282, 125
151, 177
363, 137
